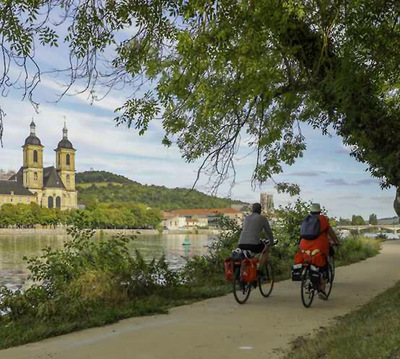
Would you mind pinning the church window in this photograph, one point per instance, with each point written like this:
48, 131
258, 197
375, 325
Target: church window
35, 156
58, 202
50, 202
68, 159
35, 176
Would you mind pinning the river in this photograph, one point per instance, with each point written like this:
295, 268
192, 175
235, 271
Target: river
14, 273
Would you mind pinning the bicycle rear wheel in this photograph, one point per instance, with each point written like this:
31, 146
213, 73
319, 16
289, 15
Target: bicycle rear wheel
241, 290
266, 283
307, 288
331, 277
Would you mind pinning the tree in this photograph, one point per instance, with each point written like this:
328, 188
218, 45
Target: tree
343, 222
218, 70
373, 219
357, 220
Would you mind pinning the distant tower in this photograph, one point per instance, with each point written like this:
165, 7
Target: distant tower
270, 203
267, 202
263, 201
33, 161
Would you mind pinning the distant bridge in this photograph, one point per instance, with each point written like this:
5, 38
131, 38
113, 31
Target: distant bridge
391, 227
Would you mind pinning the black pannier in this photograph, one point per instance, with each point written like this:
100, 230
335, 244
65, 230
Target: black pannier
296, 271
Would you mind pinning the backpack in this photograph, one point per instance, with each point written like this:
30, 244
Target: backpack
310, 227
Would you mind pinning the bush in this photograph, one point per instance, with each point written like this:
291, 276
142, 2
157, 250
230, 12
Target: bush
354, 249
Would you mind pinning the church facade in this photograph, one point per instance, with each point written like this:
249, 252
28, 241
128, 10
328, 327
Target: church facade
51, 187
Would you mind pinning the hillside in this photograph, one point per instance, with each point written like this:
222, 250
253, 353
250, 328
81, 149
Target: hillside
388, 221
105, 187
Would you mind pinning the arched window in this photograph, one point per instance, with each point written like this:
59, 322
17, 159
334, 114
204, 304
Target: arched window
68, 180
35, 156
58, 202
35, 176
50, 202
68, 159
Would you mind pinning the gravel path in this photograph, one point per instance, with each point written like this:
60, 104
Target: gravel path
220, 328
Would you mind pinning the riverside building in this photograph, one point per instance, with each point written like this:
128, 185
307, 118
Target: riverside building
51, 187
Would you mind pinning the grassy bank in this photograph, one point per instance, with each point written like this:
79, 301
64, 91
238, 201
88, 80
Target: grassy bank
373, 331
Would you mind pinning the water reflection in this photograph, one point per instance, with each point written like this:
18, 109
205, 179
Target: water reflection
13, 271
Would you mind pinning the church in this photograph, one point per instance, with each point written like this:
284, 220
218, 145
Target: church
51, 187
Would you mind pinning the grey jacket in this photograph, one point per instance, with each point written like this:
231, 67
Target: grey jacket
253, 225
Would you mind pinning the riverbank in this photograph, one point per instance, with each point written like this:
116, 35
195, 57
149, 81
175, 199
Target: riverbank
222, 328
63, 230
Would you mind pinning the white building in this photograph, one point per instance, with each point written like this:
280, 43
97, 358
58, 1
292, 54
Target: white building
197, 218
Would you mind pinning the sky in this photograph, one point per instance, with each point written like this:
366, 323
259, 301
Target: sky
326, 174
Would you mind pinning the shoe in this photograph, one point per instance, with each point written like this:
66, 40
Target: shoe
322, 295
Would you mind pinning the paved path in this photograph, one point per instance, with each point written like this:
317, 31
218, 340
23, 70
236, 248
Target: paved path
220, 328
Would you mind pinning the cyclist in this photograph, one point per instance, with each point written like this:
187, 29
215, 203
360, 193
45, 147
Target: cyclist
253, 225
322, 242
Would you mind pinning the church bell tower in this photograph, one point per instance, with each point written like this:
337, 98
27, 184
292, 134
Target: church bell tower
65, 159
33, 161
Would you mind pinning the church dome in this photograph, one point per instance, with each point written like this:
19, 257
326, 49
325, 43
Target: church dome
32, 139
65, 143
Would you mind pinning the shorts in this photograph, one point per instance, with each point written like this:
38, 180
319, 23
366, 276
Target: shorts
256, 248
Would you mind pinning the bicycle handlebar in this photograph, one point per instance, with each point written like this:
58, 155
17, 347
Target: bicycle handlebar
267, 242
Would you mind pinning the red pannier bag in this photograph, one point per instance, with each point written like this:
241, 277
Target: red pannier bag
248, 270
229, 270
319, 259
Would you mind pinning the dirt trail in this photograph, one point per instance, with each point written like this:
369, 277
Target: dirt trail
220, 328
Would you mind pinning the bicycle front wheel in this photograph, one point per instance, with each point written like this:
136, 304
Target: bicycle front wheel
307, 289
241, 290
266, 282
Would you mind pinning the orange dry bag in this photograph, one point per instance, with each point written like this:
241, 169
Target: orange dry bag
319, 259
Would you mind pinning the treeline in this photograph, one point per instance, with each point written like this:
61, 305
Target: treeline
104, 216
153, 196
357, 220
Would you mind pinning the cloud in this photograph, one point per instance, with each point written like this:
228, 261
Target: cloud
304, 174
350, 196
342, 151
383, 199
338, 182
342, 182
368, 181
